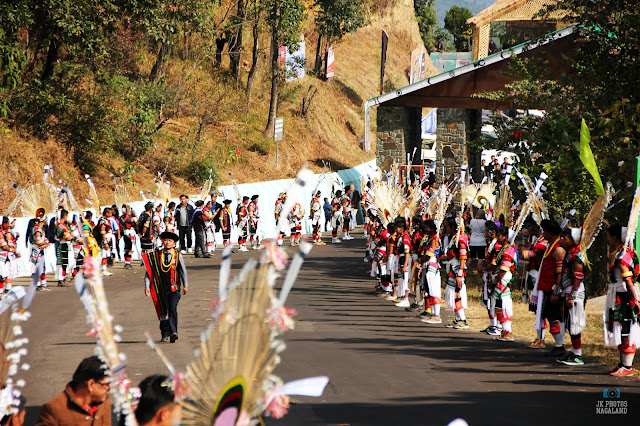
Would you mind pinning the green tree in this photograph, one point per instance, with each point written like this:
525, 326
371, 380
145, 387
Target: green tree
455, 22
335, 19
427, 19
284, 18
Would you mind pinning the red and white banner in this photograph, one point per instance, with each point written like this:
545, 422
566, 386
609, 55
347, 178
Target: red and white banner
330, 63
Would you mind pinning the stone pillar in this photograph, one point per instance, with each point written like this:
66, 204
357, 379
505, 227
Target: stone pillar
452, 128
398, 133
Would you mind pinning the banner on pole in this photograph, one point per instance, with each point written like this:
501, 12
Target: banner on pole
330, 63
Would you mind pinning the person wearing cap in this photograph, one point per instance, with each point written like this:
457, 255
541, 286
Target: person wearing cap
36, 236
550, 276
199, 220
165, 279
226, 222
316, 219
500, 281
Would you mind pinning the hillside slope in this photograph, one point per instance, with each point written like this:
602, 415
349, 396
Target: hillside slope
233, 141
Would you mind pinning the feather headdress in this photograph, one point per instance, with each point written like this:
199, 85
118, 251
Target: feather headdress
444, 199
107, 335
469, 193
593, 222
387, 201
206, 187
485, 197
632, 224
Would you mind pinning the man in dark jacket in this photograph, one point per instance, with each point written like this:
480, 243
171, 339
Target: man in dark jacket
198, 220
84, 401
184, 213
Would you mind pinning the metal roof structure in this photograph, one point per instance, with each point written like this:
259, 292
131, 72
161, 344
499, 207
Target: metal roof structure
456, 88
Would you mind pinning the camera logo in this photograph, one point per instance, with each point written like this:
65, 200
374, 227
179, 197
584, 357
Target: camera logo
611, 393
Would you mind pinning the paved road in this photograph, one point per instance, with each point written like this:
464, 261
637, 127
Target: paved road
386, 368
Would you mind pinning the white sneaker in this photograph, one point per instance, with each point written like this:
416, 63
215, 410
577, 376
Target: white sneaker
243, 248
190, 250
106, 274
254, 247
348, 237
404, 304
183, 252
336, 240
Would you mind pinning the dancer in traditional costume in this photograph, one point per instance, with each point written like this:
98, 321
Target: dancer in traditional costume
316, 218
571, 293
381, 242
243, 223
39, 242
277, 212
534, 255
403, 250
104, 236
501, 279
77, 245
128, 221
165, 280
8, 255
254, 222
347, 214
455, 293
433, 285
145, 228
295, 224
336, 217
621, 313
226, 222
550, 275
64, 237
488, 268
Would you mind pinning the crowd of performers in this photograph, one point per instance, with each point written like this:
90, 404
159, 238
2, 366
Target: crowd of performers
423, 241
119, 232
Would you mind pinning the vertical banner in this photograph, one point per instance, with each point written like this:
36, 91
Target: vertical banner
418, 67
383, 59
282, 56
330, 64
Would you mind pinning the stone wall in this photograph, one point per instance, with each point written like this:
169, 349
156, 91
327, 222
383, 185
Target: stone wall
398, 133
453, 125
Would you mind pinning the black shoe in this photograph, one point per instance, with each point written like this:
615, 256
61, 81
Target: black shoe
197, 256
556, 352
173, 337
207, 256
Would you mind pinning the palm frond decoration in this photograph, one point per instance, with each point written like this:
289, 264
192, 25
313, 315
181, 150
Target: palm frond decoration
504, 205
93, 194
94, 299
593, 221
387, 201
632, 224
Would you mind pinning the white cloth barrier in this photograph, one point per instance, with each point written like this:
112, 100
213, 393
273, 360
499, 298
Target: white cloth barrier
267, 191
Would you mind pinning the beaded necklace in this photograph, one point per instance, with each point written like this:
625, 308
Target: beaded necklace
167, 266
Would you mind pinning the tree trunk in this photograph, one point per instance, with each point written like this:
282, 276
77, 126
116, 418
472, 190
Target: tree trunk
254, 63
235, 47
273, 104
220, 42
160, 67
318, 65
52, 58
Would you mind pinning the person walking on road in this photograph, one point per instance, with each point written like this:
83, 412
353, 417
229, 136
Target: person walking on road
165, 280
